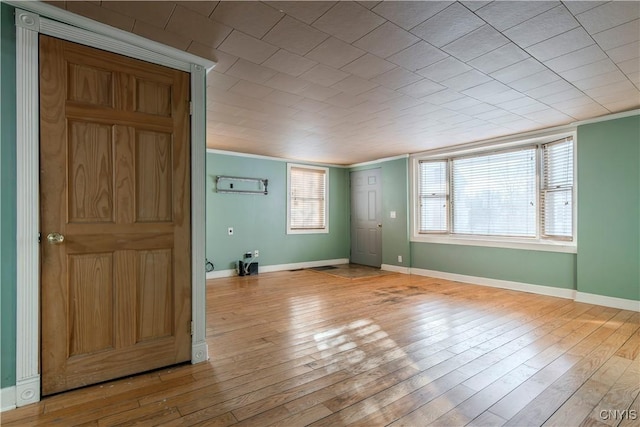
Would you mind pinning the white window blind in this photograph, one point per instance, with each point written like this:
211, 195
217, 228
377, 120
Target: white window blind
433, 196
307, 202
556, 196
495, 194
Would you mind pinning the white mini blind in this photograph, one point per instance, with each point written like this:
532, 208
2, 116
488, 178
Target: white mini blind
495, 194
307, 198
433, 196
556, 195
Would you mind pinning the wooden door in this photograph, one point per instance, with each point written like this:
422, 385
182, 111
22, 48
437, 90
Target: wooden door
366, 217
115, 182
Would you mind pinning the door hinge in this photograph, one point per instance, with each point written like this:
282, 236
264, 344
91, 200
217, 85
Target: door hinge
191, 327
191, 108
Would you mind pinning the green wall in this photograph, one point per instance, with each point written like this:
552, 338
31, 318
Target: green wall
525, 266
7, 198
609, 208
395, 190
259, 221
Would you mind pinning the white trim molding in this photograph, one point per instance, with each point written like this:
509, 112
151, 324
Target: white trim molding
273, 159
621, 303
27, 211
378, 161
7, 399
199, 349
606, 301
496, 283
282, 159
83, 30
396, 268
219, 274
281, 267
68, 26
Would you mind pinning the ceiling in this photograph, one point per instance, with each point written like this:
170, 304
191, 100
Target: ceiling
347, 82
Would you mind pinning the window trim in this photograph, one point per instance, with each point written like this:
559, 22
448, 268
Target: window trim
324, 230
538, 243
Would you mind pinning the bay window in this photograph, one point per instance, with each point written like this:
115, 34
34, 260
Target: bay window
516, 193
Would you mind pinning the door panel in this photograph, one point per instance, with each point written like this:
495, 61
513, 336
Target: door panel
153, 176
90, 172
114, 156
366, 217
90, 280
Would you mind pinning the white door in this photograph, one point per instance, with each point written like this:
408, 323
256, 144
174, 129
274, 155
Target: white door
366, 217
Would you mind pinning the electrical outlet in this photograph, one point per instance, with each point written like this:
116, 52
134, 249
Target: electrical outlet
399, 258
247, 255
230, 231
256, 253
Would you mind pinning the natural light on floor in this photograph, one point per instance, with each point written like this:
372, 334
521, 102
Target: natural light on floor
349, 345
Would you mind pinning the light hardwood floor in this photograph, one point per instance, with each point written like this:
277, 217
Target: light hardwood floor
307, 348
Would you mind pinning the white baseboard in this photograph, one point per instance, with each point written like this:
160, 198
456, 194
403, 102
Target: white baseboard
395, 268
28, 390
281, 267
299, 265
220, 273
7, 398
199, 352
495, 283
621, 303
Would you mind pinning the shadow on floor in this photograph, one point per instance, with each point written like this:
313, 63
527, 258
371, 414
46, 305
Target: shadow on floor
351, 271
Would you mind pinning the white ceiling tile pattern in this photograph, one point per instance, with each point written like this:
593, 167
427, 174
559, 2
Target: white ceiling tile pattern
386, 40
250, 17
348, 21
476, 43
408, 14
542, 27
418, 56
346, 82
499, 58
289, 63
508, 14
396, 78
197, 27
368, 66
295, 36
244, 46
452, 23
335, 53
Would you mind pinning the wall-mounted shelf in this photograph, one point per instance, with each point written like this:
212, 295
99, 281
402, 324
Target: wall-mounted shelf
241, 185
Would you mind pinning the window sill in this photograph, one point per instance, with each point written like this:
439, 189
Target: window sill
309, 231
496, 242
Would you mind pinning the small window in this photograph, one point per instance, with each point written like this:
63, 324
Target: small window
556, 196
307, 199
433, 196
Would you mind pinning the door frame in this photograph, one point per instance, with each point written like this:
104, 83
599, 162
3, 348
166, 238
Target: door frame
33, 18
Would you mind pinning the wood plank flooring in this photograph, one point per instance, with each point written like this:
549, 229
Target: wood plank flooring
307, 348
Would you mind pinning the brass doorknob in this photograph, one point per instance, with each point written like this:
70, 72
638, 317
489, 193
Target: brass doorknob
379, 225
55, 238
